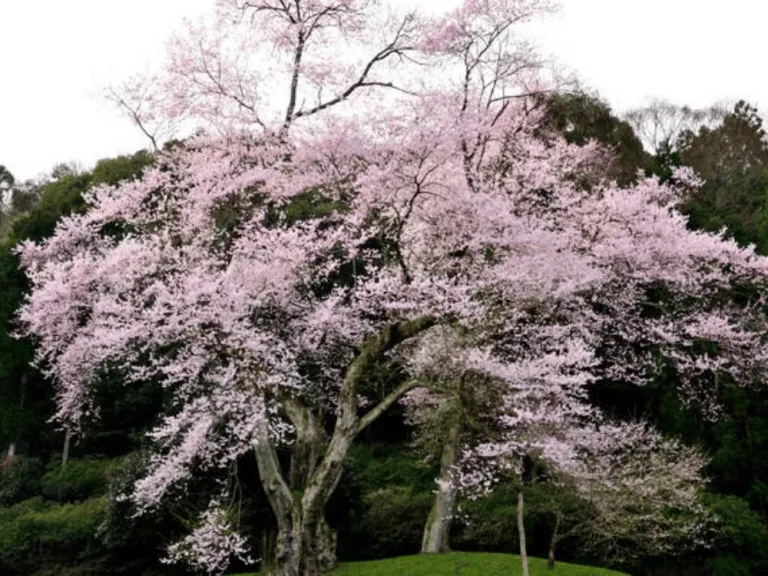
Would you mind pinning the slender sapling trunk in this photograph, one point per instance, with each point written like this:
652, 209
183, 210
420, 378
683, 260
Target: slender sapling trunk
521, 531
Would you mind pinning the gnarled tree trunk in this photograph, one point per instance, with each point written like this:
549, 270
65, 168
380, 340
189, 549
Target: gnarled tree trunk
305, 544
438, 527
303, 536
306, 454
287, 546
287, 554
521, 531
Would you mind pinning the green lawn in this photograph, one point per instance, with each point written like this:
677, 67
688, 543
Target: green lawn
463, 564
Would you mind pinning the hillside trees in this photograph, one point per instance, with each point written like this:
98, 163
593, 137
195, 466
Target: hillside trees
732, 159
24, 392
446, 211
581, 117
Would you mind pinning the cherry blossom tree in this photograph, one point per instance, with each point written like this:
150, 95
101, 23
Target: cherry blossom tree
554, 349
444, 211
643, 493
262, 65
639, 493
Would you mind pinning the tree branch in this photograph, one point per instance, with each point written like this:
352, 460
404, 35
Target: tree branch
362, 82
275, 486
385, 403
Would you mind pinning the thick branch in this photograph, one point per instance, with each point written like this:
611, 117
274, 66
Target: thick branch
298, 55
275, 486
348, 423
385, 403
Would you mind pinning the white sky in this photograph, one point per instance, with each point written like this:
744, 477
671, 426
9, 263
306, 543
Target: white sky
57, 56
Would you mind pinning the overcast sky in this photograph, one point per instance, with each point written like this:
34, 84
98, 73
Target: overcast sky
56, 57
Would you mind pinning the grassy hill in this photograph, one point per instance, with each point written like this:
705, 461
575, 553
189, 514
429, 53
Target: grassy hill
463, 564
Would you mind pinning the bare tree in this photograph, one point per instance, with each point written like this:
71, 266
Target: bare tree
660, 124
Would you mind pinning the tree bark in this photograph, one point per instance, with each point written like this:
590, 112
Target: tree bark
305, 545
286, 560
553, 544
22, 397
521, 531
303, 536
306, 453
67, 444
438, 528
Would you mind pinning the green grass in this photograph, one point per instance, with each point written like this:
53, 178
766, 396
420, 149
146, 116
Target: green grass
463, 564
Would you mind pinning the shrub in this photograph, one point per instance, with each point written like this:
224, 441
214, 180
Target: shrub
391, 524
20, 479
34, 534
381, 465
79, 480
741, 543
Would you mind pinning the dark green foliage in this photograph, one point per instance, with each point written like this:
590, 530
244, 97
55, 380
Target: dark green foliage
491, 523
64, 195
6, 178
79, 480
20, 479
37, 535
125, 413
134, 547
393, 522
733, 160
386, 494
741, 546
581, 117
380, 465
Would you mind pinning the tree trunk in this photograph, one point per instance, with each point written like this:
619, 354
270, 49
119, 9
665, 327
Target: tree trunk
269, 550
22, 397
521, 531
65, 452
438, 528
315, 498
553, 544
305, 545
307, 452
303, 536
286, 557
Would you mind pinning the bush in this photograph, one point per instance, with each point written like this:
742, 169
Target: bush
382, 503
489, 523
381, 465
79, 480
34, 534
741, 543
20, 479
392, 524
